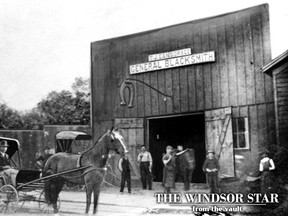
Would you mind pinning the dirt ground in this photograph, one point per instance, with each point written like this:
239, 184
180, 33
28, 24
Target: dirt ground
111, 202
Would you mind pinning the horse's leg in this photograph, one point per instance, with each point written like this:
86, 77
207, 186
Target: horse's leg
185, 179
89, 189
55, 208
189, 178
96, 196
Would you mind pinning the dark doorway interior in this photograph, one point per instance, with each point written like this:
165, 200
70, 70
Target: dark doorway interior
186, 130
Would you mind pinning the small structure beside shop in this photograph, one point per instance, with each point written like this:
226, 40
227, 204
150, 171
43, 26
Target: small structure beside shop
278, 69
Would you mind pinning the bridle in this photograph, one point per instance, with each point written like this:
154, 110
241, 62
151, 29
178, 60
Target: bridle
114, 134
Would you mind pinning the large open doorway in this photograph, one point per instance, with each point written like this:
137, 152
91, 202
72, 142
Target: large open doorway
188, 130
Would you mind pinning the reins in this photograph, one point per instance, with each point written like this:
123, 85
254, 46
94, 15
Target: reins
84, 173
88, 150
98, 141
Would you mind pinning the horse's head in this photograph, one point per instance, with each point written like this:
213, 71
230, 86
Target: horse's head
117, 141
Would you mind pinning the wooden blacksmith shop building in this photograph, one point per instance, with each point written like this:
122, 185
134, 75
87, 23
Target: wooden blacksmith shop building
198, 84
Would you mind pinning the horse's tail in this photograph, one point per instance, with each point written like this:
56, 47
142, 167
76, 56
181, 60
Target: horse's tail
47, 187
48, 183
53, 186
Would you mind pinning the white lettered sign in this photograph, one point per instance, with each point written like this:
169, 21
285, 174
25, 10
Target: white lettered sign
173, 62
172, 54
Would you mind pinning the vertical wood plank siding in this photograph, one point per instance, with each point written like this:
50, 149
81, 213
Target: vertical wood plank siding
281, 89
241, 41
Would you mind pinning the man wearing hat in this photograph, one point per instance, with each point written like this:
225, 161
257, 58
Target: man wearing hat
211, 168
10, 173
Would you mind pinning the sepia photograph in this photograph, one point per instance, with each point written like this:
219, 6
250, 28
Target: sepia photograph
143, 108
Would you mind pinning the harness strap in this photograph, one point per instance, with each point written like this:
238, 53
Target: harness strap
94, 168
84, 173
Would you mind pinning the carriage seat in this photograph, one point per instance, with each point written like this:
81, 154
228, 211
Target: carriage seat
3, 179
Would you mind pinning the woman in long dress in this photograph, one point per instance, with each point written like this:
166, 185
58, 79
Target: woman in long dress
169, 169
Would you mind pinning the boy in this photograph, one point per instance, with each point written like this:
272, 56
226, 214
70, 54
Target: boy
265, 167
211, 168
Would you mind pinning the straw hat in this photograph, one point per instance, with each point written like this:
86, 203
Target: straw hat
210, 151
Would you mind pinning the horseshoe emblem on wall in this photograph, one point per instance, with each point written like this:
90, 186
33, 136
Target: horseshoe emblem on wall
127, 85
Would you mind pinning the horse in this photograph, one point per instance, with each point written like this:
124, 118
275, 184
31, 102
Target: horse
92, 177
185, 165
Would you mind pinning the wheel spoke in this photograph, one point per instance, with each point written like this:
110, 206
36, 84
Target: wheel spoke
10, 203
45, 207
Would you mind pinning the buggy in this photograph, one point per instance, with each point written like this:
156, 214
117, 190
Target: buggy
30, 183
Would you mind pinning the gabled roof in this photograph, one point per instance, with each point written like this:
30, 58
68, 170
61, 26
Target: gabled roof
275, 62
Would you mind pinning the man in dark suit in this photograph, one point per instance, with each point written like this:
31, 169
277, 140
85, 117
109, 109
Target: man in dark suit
5, 166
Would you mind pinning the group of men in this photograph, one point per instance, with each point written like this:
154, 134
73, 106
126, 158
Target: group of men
210, 167
145, 161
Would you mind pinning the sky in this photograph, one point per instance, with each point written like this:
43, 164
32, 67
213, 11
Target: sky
45, 44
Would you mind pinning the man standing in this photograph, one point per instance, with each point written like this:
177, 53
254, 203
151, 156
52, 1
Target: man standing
211, 168
265, 167
41, 160
9, 172
145, 160
179, 148
47, 153
124, 167
178, 172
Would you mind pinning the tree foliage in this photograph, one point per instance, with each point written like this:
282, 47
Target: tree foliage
32, 120
63, 107
67, 107
9, 118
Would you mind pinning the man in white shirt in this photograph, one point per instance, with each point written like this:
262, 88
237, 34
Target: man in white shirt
265, 166
145, 160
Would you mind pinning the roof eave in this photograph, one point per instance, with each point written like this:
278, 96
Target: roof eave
268, 68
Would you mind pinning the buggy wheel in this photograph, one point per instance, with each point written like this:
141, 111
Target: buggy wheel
47, 207
10, 199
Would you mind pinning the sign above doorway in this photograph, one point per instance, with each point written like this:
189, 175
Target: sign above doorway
171, 54
172, 59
